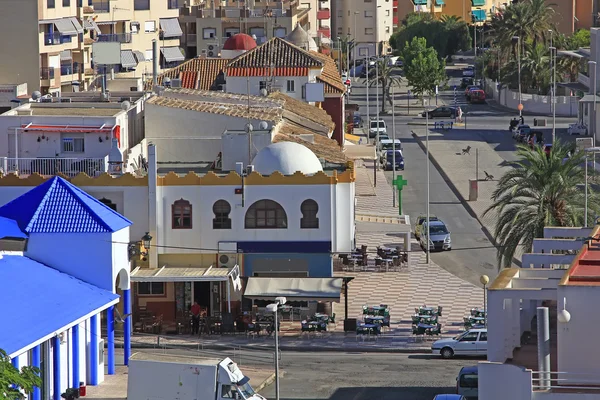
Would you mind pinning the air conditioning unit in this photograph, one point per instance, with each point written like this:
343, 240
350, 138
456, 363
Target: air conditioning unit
65, 100
211, 53
175, 83
211, 47
227, 260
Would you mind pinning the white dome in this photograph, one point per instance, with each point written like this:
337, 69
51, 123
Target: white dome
287, 158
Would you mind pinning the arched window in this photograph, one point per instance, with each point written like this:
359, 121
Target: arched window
181, 214
309, 209
266, 214
108, 203
221, 209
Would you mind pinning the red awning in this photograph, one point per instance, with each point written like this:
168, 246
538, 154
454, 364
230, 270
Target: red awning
67, 128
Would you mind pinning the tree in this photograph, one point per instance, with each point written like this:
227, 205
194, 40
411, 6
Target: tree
539, 191
386, 80
581, 38
346, 46
12, 381
422, 67
446, 36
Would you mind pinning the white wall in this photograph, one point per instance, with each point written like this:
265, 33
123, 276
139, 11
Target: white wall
504, 381
85, 256
189, 136
120, 256
234, 147
565, 105
343, 226
239, 84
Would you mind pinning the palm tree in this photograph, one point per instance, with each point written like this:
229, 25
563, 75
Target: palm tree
539, 191
387, 78
535, 66
346, 46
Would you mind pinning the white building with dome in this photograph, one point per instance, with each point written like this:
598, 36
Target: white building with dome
286, 219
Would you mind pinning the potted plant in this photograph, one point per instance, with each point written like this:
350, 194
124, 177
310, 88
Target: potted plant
70, 394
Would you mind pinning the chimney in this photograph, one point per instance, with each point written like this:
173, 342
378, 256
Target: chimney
154, 62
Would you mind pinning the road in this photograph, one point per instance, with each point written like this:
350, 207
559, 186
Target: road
472, 254
355, 376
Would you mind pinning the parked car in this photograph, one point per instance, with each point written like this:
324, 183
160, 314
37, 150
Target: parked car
469, 71
577, 129
389, 144
466, 82
471, 343
357, 121
421, 219
448, 112
439, 236
467, 383
448, 397
377, 127
477, 96
469, 89
389, 160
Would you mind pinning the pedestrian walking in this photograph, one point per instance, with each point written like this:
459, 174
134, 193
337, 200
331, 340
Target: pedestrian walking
459, 113
195, 318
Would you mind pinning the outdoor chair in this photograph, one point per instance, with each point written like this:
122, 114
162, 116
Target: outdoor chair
439, 311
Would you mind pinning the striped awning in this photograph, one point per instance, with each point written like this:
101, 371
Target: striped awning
106, 22
128, 59
184, 274
76, 24
66, 55
139, 56
91, 25
172, 54
170, 27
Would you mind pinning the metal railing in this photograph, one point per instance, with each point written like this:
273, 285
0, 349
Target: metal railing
47, 73
115, 37
51, 39
70, 69
53, 166
541, 380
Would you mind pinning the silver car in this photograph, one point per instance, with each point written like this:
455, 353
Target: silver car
439, 236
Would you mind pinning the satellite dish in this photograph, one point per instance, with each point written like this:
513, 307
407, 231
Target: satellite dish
125, 105
263, 92
263, 125
249, 128
36, 95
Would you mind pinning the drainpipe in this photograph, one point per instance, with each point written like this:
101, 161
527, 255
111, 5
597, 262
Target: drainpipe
154, 63
543, 344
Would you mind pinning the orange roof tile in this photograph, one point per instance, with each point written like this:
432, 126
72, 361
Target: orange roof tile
208, 72
330, 75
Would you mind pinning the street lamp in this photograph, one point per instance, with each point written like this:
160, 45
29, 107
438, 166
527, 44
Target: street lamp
593, 122
484, 279
274, 307
368, 114
553, 63
393, 145
428, 177
518, 39
354, 48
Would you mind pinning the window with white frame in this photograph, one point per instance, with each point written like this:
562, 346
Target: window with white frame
148, 55
134, 27
209, 33
150, 26
73, 144
291, 86
368, 31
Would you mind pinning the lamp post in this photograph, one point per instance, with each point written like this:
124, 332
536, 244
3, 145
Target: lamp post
274, 307
553, 63
368, 114
593, 121
393, 146
339, 46
518, 39
428, 177
354, 48
377, 106
484, 279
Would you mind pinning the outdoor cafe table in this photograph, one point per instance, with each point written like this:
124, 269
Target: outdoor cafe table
426, 326
368, 329
425, 316
427, 310
374, 319
322, 317
478, 312
477, 319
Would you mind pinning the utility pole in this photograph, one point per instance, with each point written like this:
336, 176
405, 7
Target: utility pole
393, 146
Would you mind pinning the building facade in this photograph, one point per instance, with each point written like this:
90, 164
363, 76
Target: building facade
58, 55
60, 227
370, 23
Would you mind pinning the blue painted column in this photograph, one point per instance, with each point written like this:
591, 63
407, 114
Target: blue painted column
36, 361
110, 329
15, 362
127, 325
94, 350
75, 353
56, 367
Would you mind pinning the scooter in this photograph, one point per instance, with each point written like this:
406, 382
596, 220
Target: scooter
514, 123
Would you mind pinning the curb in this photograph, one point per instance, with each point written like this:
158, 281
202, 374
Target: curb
455, 190
268, 381
354, 349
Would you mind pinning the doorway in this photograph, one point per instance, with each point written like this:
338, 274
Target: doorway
202, 295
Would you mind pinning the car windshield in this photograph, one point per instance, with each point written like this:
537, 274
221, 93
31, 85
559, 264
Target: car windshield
468, 381
390, 146
246, 390
438, 229
390, 155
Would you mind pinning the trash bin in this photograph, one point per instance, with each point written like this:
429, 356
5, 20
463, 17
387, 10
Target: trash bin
473, 189
350, 325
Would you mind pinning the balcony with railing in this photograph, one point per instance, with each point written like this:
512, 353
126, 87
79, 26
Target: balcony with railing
46, 73
70, 69
115, 37
325, 31
55, 38
53, 166
323, 14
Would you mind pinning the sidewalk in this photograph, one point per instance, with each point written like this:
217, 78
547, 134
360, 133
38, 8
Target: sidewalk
459, 169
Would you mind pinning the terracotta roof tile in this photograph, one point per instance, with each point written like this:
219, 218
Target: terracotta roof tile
304, 110
283, 57
208, 72
330, 75
323, 147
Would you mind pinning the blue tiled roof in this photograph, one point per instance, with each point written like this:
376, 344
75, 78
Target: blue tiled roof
10, 229
38, 301
57, 206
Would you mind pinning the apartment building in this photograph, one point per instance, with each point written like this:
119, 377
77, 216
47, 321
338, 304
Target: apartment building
206, 27
319, 19
369, 22
58, 55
